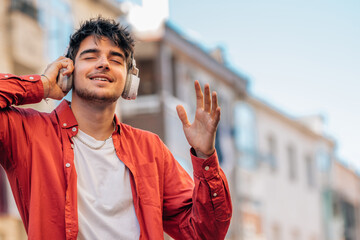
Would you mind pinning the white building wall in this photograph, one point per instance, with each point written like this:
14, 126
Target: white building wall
290, 205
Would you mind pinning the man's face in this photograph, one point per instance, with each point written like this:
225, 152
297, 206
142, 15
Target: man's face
100, 70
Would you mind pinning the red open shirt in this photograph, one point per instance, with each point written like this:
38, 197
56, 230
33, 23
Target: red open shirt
36, 150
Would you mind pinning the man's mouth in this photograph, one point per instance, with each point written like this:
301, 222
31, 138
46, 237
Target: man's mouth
100, 79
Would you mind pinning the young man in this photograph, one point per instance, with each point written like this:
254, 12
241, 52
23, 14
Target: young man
78, 173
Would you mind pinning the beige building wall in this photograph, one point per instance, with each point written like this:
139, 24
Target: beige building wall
86, 9
346, 182
5, 62
345, 195
23, 48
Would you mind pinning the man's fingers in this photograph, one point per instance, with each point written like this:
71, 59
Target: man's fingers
199, 95
216, 116
207, 98
54, 68
182, 115
214, 103
69, 68
67, 64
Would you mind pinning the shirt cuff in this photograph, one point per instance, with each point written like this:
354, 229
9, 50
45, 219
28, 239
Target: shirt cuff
205, 168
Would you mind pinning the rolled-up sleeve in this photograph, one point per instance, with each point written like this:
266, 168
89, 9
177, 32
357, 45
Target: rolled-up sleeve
18, 90
209, 172
206, 210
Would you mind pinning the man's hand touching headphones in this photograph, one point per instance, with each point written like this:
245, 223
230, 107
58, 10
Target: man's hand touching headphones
49, 77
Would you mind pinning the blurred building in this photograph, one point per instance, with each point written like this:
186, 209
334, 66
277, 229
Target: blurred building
343, 208
283, 169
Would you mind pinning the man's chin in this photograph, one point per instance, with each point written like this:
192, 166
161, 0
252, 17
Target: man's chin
96, 97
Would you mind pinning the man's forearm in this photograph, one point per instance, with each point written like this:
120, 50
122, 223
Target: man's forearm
19, 90
211, 197
207, 212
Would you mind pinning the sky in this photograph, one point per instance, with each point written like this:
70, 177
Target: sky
302, 57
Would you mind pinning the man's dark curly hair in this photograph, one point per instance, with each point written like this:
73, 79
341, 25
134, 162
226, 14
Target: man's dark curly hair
99, 28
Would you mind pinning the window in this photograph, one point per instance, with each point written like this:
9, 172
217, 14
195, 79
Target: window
323, 159
245, 134
349, 212
310, 171
146, 73
292, 163
272, 151
174, 75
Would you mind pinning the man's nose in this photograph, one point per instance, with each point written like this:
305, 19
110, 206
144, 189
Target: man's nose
103, 63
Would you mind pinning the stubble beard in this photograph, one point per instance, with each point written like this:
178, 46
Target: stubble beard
93, 97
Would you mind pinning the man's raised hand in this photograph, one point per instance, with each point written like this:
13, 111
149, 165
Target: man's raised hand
201, 133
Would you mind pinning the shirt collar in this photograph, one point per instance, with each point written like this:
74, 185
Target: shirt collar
67, 118
65, 114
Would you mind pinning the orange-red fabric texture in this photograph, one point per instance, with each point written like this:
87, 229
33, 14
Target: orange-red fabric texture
37, 153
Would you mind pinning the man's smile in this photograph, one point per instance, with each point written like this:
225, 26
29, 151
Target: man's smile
101, 77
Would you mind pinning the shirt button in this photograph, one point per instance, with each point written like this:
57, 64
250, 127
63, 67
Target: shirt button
67, 165
64, 124
215, 194
31, 78
6, 75
72, 146
74, 129
207, 168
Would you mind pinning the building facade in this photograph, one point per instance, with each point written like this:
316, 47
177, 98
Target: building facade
344, 204
283, 169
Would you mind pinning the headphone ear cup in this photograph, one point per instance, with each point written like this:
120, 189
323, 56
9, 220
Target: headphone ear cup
131, 87
65, 82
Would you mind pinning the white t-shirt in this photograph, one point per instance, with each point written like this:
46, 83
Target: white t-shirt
105, 203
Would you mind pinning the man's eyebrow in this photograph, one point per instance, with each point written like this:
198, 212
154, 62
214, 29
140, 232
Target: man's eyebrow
94, 50
119, 54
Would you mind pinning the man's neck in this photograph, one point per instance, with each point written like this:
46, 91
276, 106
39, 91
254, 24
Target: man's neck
95, 120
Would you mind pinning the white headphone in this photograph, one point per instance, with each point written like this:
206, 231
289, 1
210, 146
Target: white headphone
132, 83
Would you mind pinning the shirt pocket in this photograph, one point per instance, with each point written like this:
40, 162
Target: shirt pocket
148, 184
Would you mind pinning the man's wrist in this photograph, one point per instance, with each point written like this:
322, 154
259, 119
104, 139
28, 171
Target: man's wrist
202, 155
46, 84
